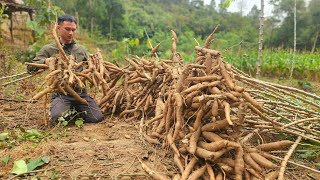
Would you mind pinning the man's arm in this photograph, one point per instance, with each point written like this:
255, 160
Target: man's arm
40, 58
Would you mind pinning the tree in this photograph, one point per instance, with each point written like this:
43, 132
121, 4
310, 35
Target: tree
114, 18
2, 16
213, 4
254, 12
284, 10
241, 5
223, 6
294, 38
260, 39
315, 20
197, 3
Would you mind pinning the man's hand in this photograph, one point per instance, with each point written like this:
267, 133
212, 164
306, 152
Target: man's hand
31, 69
47, 61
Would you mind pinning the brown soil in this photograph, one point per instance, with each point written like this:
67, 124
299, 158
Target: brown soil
107, 150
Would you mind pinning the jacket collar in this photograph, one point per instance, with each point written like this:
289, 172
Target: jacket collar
70, 45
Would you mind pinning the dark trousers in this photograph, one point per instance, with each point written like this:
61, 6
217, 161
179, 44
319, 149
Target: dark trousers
61, 104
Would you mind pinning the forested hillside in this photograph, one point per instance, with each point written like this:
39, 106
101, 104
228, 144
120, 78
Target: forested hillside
122, 27
118, 19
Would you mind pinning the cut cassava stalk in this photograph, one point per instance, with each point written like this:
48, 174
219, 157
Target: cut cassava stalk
43, 66
206, 50
287, 157
210, 38
42, 93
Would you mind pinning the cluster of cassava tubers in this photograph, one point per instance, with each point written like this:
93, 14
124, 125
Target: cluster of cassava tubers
207, 112
204, 113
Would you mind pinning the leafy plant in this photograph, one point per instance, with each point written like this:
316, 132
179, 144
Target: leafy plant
5, 160
21, 167
2, 15
8, 139
54, 174
79, 122
71, 115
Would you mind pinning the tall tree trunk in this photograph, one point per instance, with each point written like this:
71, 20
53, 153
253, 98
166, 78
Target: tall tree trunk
315, 42
78, 22
11, 26
91, 21
110, 26
91, 27
294, 38
260, 39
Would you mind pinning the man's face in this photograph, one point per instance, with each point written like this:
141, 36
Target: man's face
66, 30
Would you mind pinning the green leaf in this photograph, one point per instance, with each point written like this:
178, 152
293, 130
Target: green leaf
5, 160
37, 163
34, 132
54, 174
36, 27
79, 122
317, 164
19, 167
64, 123
3, 136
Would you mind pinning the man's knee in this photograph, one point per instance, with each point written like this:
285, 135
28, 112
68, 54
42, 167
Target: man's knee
95, 117
55, 115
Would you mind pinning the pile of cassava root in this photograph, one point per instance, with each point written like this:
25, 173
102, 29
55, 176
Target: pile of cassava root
219, 122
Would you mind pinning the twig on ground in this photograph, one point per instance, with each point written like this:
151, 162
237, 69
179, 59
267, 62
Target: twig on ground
15, 100
36, 171
301, 121
15, 75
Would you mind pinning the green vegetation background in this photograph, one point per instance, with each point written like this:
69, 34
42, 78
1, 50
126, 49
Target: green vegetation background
122, 27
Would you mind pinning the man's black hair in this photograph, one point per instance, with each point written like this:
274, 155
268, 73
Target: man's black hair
66, 17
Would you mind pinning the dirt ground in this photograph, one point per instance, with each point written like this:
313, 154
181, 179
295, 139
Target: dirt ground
107, 150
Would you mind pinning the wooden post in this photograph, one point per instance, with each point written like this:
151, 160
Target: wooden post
33, 33
11, 26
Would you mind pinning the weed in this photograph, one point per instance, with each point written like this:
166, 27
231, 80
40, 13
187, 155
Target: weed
71, 115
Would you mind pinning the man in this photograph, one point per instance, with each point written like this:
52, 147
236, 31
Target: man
60, 104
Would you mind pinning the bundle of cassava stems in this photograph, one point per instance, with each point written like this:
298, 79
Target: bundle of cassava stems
219, 122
